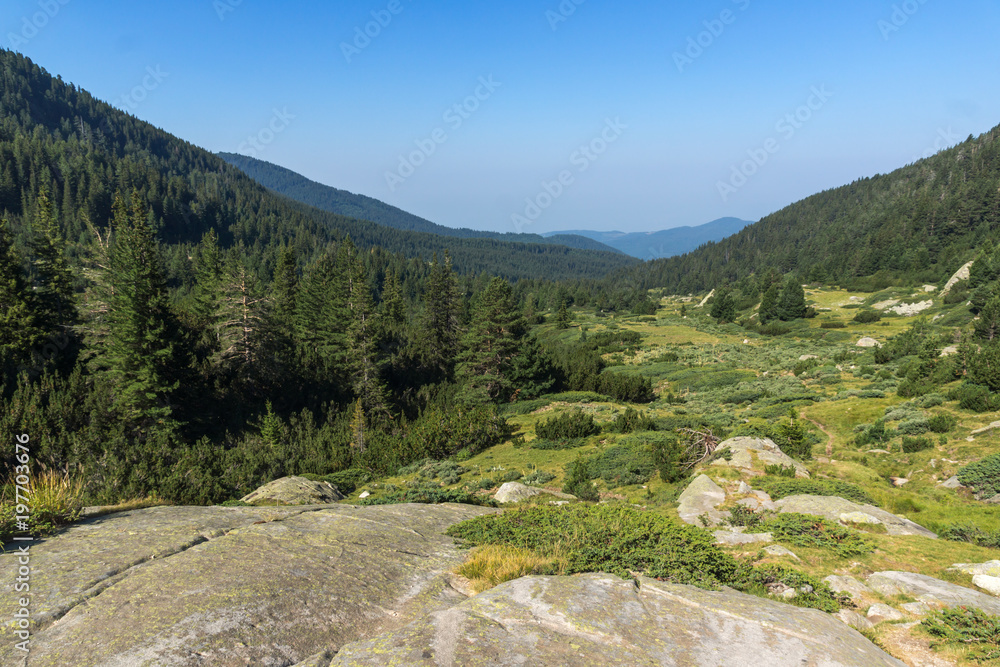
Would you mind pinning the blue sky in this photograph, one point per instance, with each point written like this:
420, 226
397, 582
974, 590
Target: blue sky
634, 116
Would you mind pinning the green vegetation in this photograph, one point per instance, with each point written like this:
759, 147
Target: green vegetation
573, 424
975, 632
983, 476
778, 488
812, 531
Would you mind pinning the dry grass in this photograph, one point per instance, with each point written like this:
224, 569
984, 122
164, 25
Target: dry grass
492, 565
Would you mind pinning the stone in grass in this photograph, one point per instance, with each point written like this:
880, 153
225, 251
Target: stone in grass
990, 567
932, 591
756, 453
778, 550
868, 342
916, 608
882, 613
859, 518
295, 491
952, 483
988, 583
848, 585
701, 498
731, 538
854, 619
831, 507
513, 492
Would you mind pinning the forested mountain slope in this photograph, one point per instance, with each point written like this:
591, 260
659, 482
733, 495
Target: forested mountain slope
296, 186
916, 224
56, 137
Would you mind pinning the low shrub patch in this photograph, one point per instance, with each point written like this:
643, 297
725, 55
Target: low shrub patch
428, 496
573, 424
779, 488
973, 630
983, 476
805, 530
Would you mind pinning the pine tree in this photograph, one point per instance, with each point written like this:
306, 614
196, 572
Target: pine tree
19, 330
363, 343
140, 349
53, 291
769, 304
987, 327
208, 274
562, 317
284, 289
723, 305
494, 340
441, 330
393, 308
240, 315
792, 304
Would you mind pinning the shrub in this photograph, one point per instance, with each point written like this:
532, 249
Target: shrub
805, 530
983, 476
573, 424
538, 478
975, 397
943, 423
915, 426
779, 470
967, 532
623, 465
429, 496
669, 458
833, 325
632, 420
625, 388
867, 317
873, 433
741, 515
967, 628
930, 401
779, 488
578, 481
913, 445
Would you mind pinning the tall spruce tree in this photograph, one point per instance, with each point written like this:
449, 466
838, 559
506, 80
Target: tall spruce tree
140, 348
19, 330
723, 305
495, 338
769, 304
792, 304
441, 332
53, 291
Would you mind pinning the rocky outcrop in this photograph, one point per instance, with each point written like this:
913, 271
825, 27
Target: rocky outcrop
754, 453
225, 586
833, 507
867, 341
294, 491
960, 275
513, 492
701, 498
599, 619
931, 591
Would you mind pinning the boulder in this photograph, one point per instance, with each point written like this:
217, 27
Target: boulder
232, 585
990, 567
701, 497
733, 538
868, 341
985, 429
512, 492
778, 550
854, 619
960, 275
859, 517
755, 453
599, 619
831, 507
932, 591
916, 608
848, 585
295, 491
952, 483
988, 583
930, 288
911, 309
808, 357
881, 613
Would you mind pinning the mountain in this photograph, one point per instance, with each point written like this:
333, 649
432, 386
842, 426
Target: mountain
917, 224
57, 137
326, 198
665, 243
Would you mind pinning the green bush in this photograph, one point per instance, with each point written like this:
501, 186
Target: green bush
428, 495
779, 470
632, 420
538, 478
943, 423
867, 317
915, 426
779, 488
569, 425
975, 397
983, 476
805, 530
622, 540
967, 532
971, 630
623, 465
913, 445
578, 481
833, 325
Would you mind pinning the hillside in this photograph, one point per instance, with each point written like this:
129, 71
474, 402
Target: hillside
295, 186
57, 137
664, 243
917, 224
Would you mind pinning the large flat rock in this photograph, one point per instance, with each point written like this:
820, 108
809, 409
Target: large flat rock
599, 619
232, 586
832, 507
700, 499
755, 454
932, 591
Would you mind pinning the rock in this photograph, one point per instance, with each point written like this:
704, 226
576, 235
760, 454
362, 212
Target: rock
363, 495
990, 567
513, 492
705, 300
295, 491
755, 453
883, 305
808, 357
599, 619
949, 351
930, 288
778, 550
995, 500
960, 275
881, 613
701, 497
878, 451
952, 483
899, 481
744, 488
867, 341
232, 585
911, 309
932, 591
789, 594
854, 619
916, 608
859, 517
848, 585
988, 583
978, 431
831, 507
731, 538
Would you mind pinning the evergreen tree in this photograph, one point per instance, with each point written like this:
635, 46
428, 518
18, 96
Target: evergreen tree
363, 343
53, 291
769, 304
208, 273
140, 349
562, 318
19, 330
441, 330
284, 289
494, 340
987, 327
792, 304
392, 307
239, 322
723, 305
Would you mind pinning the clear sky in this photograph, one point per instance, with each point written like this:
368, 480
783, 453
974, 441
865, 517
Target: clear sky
683, 108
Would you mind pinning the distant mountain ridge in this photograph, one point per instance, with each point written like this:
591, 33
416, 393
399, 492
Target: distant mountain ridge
664, 243
341, 202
